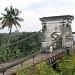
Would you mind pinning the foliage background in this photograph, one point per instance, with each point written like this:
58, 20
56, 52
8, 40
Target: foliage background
18, 50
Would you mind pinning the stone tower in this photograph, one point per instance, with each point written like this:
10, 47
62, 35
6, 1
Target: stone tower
51, 26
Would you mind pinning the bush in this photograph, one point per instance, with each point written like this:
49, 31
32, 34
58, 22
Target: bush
7, 54
40, 69
67, 64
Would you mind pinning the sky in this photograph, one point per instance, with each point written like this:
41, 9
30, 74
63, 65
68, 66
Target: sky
32, 10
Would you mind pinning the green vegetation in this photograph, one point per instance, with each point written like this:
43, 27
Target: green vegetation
67, 64
7, 54
18, 50
30, 45
40, 69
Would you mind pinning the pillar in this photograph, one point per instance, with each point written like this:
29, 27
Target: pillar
55, 24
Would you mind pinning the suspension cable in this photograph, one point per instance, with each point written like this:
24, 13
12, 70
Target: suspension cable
21, 40
54, 42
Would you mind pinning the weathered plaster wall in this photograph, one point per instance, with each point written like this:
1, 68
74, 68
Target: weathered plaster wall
60, 24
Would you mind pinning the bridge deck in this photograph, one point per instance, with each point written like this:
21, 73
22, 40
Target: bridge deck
37, 59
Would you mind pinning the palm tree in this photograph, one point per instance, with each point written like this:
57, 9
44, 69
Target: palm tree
10, 18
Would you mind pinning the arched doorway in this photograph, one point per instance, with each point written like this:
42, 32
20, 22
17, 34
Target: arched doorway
55, 36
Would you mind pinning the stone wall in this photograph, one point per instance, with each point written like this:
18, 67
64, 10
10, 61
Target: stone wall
57, 24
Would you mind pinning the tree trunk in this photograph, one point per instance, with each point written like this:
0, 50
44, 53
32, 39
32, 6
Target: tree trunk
9, 37
9, 32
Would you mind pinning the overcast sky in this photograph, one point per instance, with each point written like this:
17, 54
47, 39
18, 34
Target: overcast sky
32, 10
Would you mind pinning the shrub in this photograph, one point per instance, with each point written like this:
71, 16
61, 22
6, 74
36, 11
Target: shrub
67, 64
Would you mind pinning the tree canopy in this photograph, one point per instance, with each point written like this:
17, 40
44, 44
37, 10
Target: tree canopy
10, 18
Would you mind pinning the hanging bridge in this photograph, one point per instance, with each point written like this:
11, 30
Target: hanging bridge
61, 28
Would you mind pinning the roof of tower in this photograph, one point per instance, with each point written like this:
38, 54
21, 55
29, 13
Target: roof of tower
62, 17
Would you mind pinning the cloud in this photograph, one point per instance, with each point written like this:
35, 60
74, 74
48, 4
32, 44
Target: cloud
68, 0
32, 10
